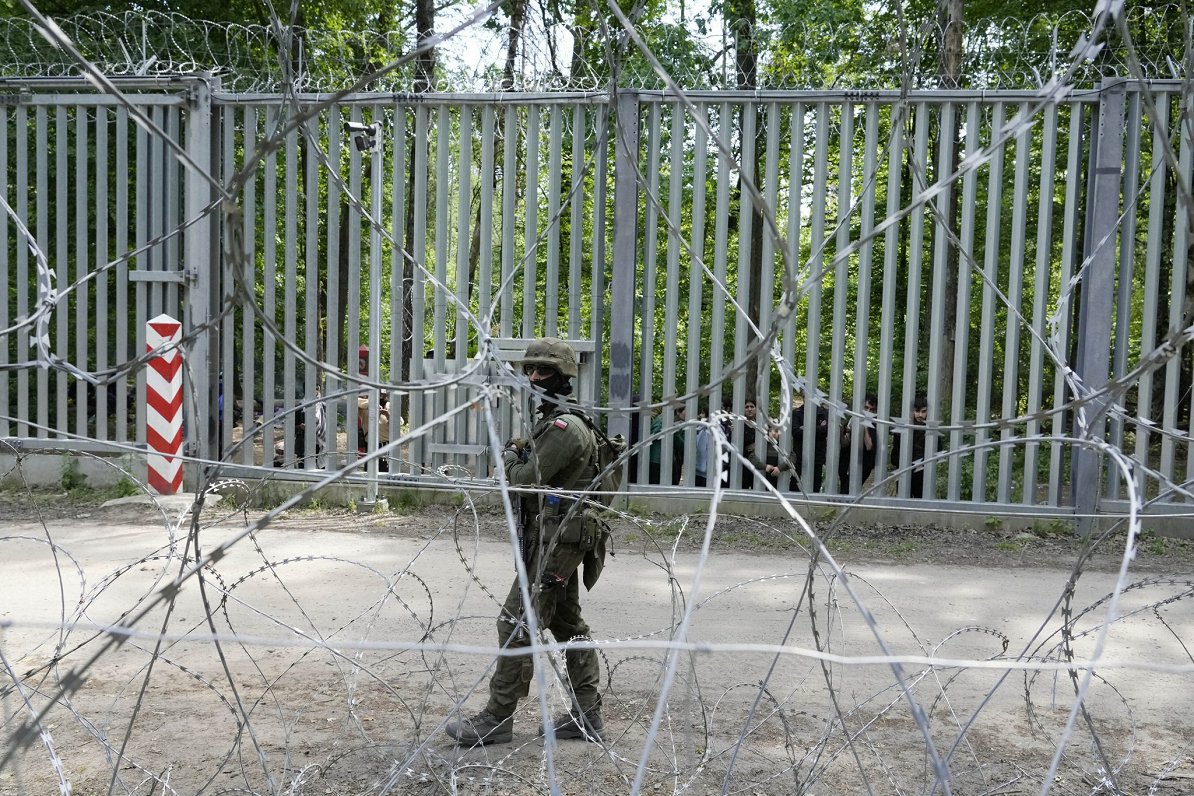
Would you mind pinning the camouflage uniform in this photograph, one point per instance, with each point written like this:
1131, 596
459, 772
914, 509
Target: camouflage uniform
560, 454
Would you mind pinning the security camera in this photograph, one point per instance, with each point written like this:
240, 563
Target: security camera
364, 136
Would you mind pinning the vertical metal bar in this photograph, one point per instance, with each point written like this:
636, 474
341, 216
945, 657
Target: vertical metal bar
579, 166
62, 256
916, 233
1015, 300
1177, 302
622, 283
226, 133
170, 191
352, 334
154, 186
82, 268
485, 307
1098, 286
398, 287
551, 297
5, 278
719, 289
647, 351
269, 199
1126, 277
439, 299
463, 238
862, 314
1060, 338
121, 283
530, 241
373, 216
485, 231
249, 364
767, 287
816, 266
937, 297
21, 164
418, 296
43, 237
290, 288
671, 296
335, 303
200, 254
696, 281
601, 179
311, 143
509, 214
143, 293
102, 409
841, 282
746, 167
443, 221
1040, 296
795, 202
896, 148
986, 344
961, 330
1152, 283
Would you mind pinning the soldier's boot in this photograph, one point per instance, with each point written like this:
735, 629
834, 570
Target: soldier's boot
588, 725
483, 728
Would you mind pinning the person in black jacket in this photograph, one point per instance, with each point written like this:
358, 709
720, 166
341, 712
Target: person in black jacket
820, 444
867, 447
920, 416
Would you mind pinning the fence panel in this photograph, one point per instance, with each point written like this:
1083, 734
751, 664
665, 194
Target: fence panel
895, 246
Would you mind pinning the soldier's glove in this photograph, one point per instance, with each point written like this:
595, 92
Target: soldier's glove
550, 581
518, 446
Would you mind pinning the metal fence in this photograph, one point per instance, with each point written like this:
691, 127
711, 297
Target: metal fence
1002, 252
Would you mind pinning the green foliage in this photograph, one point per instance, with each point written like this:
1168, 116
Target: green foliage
73, 477
124, 487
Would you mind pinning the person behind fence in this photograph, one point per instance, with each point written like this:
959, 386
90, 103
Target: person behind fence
706, 453
750, 412
773, 463
383, 413
866, 445
920, 416
561, 454
678, 437
820, 443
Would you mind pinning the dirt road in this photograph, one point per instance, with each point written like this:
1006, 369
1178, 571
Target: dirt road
324, 653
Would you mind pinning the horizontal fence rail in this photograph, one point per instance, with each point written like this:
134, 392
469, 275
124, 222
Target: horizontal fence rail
798, 251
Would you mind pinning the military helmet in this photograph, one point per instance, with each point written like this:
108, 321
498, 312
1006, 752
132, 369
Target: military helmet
551, 351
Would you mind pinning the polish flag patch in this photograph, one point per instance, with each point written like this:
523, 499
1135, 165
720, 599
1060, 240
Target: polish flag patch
560, 423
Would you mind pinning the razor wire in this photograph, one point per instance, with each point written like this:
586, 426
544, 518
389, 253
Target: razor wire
1007, 53
677, 723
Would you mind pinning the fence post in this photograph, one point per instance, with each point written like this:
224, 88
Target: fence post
1096, 314
625, 265
201, 268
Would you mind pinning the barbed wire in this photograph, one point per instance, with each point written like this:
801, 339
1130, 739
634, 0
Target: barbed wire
223, 618
1010, 53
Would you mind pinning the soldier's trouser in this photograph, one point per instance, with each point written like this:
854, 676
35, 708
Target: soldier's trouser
558, 610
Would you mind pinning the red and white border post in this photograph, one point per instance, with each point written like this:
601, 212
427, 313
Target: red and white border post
163, 406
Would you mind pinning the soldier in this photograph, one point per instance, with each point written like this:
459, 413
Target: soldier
560, 455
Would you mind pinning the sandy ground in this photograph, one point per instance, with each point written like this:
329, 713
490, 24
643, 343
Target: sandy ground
324, 653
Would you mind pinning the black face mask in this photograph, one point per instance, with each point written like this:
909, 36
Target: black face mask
559, 384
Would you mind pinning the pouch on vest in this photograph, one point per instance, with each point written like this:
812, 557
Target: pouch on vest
594, 562
574, 526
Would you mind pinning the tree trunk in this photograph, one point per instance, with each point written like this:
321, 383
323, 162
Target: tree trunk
518, 12
425, 29
744, 22
949, 76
